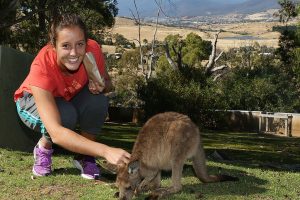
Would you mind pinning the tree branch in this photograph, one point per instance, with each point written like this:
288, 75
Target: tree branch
219, 56
168, 56
138, 22
153, 44
219, 68
212, 56
218, 76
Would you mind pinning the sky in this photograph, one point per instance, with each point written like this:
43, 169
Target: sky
146, 7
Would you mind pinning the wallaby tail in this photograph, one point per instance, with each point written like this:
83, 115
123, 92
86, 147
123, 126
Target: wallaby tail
200, 168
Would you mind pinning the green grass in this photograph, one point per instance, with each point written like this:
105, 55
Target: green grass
263, 164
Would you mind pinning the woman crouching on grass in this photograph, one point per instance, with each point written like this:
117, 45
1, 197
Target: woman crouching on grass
57, 94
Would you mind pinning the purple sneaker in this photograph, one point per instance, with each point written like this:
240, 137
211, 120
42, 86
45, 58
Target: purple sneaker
42, 161
87, 166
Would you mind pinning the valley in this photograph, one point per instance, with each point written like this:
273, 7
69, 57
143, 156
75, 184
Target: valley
233, 35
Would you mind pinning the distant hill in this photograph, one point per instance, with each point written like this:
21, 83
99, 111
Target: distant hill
253, 6
148, 8
200, 8
233, 35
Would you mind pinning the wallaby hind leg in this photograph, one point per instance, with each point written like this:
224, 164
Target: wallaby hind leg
150, 182
155, 183
177, 168
159, 193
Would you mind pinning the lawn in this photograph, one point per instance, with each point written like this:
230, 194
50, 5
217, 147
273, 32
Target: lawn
268, 168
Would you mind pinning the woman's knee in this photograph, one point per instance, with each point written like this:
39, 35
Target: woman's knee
94, 114
97, 103
68, 114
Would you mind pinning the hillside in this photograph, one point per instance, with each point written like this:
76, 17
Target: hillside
197, 7
234, 35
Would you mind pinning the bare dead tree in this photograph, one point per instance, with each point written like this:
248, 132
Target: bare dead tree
169, 59
212, 58
146, 68
137, 21
210, 67
153, 44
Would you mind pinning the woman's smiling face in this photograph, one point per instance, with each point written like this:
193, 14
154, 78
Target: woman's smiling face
70, 48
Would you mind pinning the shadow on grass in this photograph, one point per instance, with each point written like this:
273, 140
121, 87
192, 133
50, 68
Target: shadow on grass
65, 171
254, 150
253, 147
113, 134
251, 184
249, 150
242, 148
118, 135
104, 176
258, 160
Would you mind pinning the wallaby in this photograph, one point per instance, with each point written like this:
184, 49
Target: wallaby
165, 142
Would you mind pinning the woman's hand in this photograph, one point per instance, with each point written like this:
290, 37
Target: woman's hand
95, 87
117, 156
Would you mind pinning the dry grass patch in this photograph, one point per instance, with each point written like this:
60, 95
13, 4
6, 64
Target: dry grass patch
262, 32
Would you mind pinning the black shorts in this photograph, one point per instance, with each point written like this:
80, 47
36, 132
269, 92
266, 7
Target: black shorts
86, 109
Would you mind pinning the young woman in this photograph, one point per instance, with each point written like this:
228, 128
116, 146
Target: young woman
57, 95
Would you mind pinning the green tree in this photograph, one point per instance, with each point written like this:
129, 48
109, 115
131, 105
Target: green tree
259, 89
120, 40
195, 50
8, 10
287, 11
145, 41
288, 38
187, 90
189, 51
27, 29
296, 54
126, 79
178, 91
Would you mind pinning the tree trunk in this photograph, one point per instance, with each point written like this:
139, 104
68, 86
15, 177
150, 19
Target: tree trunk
212, 57
42, 15
168, 56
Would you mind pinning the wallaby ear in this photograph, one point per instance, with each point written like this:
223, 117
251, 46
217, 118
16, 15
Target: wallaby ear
133, 166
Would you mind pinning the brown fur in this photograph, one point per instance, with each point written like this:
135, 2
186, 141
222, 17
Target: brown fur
165, 142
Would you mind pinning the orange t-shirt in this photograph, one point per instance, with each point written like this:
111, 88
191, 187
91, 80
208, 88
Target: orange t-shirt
46, 74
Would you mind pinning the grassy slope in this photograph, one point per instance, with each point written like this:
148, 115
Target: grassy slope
263, 31
259, 161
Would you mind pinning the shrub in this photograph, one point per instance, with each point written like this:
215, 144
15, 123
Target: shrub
180, 92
